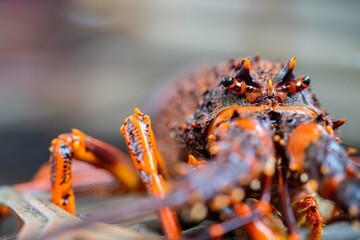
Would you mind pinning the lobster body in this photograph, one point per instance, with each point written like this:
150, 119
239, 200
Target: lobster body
248, 128
303, 137
198, 99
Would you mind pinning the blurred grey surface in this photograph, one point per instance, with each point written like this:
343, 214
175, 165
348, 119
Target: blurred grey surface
87, 63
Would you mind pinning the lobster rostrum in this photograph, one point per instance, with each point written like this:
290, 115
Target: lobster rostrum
256, 143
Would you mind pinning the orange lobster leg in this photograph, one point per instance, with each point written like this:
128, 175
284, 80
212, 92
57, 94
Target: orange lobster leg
247, 217
257, 229
147, 159
76, 145
286, 201
307, 215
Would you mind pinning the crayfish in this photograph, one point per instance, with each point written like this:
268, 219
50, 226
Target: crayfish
245, 141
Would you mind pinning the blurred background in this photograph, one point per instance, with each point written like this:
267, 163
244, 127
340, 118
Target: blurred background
87, 63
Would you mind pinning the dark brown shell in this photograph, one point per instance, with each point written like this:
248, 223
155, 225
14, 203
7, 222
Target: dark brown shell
195, 100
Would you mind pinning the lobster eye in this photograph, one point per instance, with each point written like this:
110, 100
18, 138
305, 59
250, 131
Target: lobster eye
306, 80
227, 80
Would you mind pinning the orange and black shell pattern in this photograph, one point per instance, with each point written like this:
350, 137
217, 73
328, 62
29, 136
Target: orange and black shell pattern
279, 102
218, 97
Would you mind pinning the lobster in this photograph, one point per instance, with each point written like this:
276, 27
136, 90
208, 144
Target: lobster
256, 143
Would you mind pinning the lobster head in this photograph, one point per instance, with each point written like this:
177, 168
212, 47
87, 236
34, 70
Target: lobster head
265, 82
